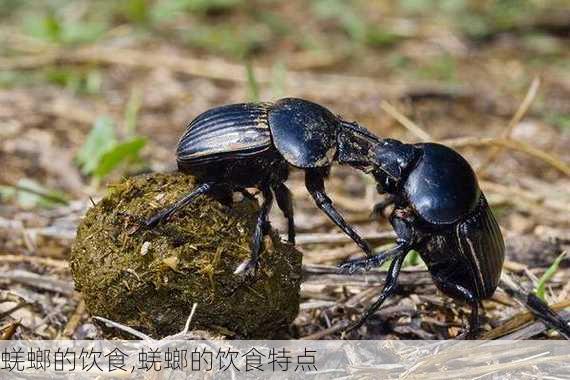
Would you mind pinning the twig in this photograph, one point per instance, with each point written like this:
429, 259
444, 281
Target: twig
515, 120
74, 320
525, 206
541, 200
124, 328
531, 330
504, 142
211, 68
185, 334
331, 330
23, 42
67, 109
482, 352
37, 281
523, 108
537, 309
214, 69
9, 330
45, 261
471, 372
329, 276
513, 266
331, 255
363, 297
15, 308
316, 304
512, 144
519, 320
28, 61
187, 325
406, 122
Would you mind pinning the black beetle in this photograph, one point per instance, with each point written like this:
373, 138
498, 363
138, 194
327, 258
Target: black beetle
253, 144
440, 212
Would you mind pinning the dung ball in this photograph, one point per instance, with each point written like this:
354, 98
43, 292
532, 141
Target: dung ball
149, 279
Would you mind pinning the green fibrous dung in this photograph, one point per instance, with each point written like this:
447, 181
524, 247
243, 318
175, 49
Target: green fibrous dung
149, 279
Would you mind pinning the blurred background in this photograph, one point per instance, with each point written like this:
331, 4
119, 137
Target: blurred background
92, 91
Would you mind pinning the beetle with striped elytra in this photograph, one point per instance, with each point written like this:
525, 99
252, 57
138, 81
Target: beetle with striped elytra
439, 211
233, 147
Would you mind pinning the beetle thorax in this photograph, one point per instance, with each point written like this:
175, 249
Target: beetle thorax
442, 188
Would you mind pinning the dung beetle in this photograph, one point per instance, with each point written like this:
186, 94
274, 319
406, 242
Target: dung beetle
440, 212
232, 147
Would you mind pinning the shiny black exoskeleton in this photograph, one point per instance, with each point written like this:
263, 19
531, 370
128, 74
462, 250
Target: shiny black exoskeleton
233, 147
441, 213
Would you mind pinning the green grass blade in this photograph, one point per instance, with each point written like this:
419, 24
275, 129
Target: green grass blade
252, 85
99, 140
547, 276
121, 153
132, 111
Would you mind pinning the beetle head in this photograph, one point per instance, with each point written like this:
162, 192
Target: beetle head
392, 160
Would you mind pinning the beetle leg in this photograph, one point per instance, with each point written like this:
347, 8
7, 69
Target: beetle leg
181, 203
314, 181
474, 320
377, 260
404, 231
471, 299
285, 203
261, 225
389, 289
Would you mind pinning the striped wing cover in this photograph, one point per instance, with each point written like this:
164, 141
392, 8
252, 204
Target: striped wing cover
226, 132
480, 241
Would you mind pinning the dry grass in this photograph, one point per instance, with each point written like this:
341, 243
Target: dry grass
478, 96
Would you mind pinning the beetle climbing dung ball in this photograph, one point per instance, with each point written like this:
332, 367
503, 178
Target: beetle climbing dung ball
150, 279
254, 144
